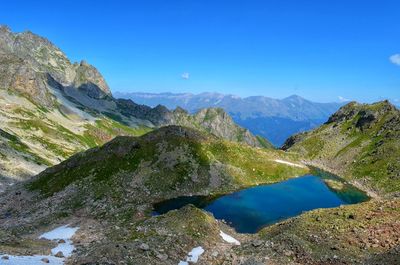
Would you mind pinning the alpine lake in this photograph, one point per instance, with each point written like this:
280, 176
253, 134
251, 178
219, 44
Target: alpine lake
251, 209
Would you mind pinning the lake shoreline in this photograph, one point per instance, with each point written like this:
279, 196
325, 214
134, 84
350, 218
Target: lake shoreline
318, 166
251, 209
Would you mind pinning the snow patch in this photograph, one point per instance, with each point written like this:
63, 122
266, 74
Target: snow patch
60, 233
65, 233
193, 256
30, 260
229, 238
289, 163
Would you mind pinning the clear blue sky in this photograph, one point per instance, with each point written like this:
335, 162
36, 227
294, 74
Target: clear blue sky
317, 49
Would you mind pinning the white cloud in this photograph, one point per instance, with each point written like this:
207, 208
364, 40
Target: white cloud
343, 99
185, 76
395, 58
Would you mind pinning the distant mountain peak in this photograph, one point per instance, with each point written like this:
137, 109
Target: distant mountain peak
294, 98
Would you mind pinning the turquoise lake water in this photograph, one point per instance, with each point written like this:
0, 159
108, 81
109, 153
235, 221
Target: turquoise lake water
249, 210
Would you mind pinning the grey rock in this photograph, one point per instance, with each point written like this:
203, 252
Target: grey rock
45, 260
215, 254
162, 257
257, 243
144, 247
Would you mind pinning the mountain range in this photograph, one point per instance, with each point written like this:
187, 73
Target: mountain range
274, 119
52, 108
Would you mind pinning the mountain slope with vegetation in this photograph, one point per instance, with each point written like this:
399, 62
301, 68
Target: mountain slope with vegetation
360, 142
108, 192
53, 108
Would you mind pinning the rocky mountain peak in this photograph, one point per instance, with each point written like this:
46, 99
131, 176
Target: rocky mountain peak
179, 110
43, 59
89, 80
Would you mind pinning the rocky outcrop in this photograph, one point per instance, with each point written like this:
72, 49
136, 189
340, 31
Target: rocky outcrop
293, 140
90, 81
220, 123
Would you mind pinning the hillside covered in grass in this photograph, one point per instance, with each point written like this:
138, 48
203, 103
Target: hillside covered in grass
116, 184
360, 142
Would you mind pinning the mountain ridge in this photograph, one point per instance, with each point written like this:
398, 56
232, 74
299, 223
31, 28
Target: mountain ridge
188, 101
360, 142
274, 119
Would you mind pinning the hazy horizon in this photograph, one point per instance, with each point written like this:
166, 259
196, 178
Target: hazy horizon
393, 101
344, 50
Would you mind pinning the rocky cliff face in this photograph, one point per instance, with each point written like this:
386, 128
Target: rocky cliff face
17, 73
359, 141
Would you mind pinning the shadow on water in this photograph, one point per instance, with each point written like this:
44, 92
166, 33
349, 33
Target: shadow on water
249, 210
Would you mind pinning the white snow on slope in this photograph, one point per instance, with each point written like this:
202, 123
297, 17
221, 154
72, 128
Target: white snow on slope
193, 256
64, 232
229, 238
289, 163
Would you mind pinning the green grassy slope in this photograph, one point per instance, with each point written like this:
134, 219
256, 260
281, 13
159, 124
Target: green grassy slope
360, 142
137, 171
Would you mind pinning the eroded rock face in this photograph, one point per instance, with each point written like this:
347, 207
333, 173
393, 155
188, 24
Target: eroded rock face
19, 74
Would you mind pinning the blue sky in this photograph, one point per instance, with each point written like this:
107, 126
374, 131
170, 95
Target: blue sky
317, 49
